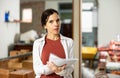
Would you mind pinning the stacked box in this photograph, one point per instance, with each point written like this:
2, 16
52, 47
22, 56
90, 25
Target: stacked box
30, 57
4, 73
27, 64
4, 64
14, 65
23, 51
22, 73
14, 53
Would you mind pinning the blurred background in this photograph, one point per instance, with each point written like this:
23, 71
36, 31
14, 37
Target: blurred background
98, 27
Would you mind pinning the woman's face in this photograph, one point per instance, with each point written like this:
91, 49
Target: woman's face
53, 24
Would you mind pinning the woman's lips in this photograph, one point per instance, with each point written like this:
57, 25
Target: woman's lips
56, 29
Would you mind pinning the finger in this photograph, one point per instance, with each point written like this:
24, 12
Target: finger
64, 66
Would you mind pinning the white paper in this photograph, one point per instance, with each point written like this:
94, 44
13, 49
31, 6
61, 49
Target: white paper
60, 61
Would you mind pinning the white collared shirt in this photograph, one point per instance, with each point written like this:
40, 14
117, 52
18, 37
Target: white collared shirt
40, 68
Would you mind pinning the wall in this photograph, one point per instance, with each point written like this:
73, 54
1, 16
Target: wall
8, 30
37, 9
109, 20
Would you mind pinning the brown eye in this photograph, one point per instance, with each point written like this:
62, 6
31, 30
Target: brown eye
51, 21
57, 20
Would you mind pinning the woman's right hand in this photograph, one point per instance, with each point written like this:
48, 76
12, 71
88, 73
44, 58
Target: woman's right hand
55, 68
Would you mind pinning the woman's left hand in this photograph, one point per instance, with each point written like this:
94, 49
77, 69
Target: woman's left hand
55, 68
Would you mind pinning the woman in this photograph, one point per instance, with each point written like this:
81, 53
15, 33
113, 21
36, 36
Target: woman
55, 43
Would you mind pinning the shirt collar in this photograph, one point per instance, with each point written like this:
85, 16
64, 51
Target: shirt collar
43, 38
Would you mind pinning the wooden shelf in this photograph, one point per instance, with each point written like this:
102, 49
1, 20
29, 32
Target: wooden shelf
17, 56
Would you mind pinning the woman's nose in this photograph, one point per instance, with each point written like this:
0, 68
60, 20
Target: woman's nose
56, 23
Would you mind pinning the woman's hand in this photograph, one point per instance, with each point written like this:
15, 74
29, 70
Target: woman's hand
55, 68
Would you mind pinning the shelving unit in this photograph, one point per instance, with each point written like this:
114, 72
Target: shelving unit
112, 59
17, 56
113, 49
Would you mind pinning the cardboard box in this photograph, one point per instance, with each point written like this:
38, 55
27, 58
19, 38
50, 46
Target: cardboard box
15, 65
23, 51
28, 64
30, 57
4, 73
4, 64
14, 53
22, 73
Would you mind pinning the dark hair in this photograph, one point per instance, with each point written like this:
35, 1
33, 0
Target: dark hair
46, 14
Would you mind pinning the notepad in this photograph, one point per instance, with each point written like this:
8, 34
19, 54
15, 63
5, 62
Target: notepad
60, 61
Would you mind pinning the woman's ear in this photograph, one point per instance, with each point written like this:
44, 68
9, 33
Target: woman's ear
45, 27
